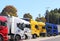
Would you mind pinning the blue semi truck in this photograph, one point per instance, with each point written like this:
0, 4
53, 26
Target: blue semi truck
51, 29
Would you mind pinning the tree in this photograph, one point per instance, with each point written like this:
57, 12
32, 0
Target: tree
41, 19
27, 15
55, 10
37, 19
47, 15
9, 10
59, 10
53, 16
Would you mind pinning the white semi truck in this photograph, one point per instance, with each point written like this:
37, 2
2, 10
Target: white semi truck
18, 28
27, 29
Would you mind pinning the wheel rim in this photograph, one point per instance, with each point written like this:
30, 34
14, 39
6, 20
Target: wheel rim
34, 36
17, 38
48, 35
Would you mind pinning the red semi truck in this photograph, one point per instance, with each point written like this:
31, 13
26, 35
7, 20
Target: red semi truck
3, 29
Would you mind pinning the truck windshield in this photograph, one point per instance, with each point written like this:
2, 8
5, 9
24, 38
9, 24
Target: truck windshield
49, 27
26, 19
43, 27
36, 26
3, 23
20, 26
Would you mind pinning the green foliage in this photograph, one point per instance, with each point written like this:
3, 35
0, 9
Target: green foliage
37, 19
9, 10
41, 19
27, 15
53, 16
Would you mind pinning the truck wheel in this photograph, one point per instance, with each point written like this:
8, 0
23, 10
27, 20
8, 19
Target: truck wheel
17, 38
12, 38
1, 38
26, 37
54, 34
49, 35
34, 36
42, 34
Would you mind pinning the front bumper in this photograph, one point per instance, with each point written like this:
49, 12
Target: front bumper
5, 38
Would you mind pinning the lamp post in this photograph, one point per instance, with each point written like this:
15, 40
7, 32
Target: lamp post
48, 14
58, 19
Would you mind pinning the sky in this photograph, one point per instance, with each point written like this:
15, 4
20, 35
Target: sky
34, 7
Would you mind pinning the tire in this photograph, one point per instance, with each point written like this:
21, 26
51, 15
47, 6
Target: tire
12, 38
1, 38
42, 34
17, 38
26, 37
54, 34
49, 35
34, 36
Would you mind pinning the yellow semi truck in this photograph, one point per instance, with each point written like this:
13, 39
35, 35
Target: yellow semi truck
42, 29
34, 28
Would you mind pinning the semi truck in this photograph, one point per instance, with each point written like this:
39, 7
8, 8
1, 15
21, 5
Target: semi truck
35, 31
14, 28
3, 29
52, 29
27, 29
42, 29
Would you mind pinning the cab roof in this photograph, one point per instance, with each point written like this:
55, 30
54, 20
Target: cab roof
41, 23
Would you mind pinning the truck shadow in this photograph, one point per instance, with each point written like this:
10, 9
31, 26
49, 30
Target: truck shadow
14, 40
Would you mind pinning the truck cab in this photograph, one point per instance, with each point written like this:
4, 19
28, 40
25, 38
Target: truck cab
3, 29
52, 29
42, 29
34, 29
27, 29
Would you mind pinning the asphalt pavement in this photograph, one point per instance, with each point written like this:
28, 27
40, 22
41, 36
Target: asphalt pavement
53, 38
